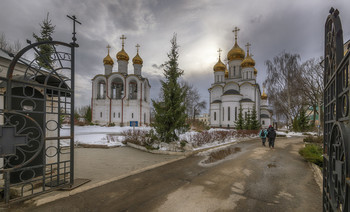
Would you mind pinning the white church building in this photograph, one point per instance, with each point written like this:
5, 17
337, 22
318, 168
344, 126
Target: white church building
120, 97
235, 86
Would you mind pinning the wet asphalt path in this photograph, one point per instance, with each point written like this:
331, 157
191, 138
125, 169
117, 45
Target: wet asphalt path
253, 179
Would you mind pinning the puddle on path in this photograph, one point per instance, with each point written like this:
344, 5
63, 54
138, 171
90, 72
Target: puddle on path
270, 165
221, 154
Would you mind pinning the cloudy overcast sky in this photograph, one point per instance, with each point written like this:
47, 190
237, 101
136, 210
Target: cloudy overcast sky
202, 27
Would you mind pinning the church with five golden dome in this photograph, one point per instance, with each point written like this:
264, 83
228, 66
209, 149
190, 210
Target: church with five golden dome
119, 97
235, 87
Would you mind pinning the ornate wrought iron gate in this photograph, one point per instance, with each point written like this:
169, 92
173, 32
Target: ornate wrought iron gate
336, 171
36, 98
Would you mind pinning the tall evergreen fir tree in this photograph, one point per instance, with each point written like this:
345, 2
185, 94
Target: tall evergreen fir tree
87, 114
247, 121
302, 120
170, 117
255, 125
239, 123
45, 50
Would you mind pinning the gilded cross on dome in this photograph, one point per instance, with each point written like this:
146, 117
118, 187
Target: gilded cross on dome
236, 31
108, 47
219, 53
137, 47
248, 45
123, 38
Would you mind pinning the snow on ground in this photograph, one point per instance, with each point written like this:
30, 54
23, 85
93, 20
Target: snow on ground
290, 134
98, 135
111, 136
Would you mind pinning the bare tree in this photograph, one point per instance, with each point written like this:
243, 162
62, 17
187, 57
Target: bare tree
5, 45
3, 41
311, 79
194, 104
282, 83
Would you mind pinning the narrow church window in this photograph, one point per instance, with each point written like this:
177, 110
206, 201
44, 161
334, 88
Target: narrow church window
144, 118
132, 115
118, 115
234, 71
223, 113
113, 115
228, 113
101, 114
145, 92
263, 122
214, 116
235, 113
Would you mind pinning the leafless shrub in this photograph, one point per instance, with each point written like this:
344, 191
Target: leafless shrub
221, 136
246, 133
140, 137
202, 138
135, 136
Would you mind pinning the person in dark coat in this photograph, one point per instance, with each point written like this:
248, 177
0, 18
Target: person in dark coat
271, 135
262, 135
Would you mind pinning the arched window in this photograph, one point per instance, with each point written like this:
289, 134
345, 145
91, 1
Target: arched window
101, 90
145, 93
132, 89
144, 118
117, 88
234, 71
214, 116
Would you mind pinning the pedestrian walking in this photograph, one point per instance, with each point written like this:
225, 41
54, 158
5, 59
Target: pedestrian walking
271, 135
262, 135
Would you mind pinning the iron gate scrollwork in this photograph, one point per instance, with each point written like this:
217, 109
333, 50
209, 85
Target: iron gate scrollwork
37, 121
336, 166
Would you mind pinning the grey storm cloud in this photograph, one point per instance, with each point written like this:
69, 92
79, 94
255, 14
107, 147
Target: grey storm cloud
202, 27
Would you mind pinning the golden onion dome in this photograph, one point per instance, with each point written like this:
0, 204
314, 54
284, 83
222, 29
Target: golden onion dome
122, 55
137, 59
219, 66
248, 62
255, 71
108, 60
236, 53
264, 95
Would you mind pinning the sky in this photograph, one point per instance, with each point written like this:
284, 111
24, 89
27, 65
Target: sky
201, 26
